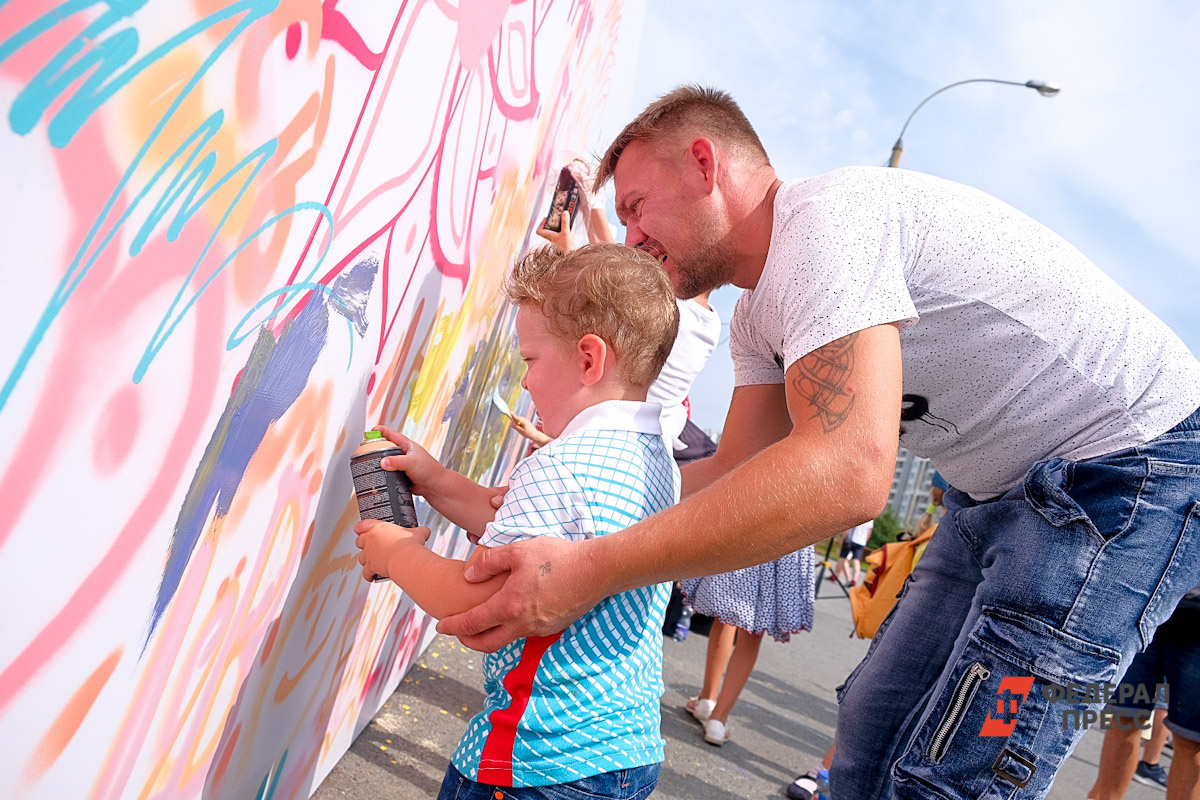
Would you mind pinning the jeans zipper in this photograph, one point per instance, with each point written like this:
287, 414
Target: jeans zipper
967, 687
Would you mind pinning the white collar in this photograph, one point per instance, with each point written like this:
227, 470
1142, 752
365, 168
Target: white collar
617, 415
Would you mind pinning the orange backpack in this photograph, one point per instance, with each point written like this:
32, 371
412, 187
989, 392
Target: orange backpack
874, 598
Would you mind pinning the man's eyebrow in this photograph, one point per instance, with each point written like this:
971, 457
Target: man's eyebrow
621, 210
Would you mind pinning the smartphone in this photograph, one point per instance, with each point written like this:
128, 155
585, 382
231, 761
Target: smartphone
565, 202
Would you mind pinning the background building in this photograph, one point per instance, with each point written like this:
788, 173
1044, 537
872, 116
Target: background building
910, 488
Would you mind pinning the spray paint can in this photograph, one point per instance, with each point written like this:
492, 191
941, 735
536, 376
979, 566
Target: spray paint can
382, 494
564, 202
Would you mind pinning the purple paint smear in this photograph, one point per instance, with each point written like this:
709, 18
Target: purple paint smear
275, 374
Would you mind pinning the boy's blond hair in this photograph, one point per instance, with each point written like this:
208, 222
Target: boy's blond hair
689, 111
617, 293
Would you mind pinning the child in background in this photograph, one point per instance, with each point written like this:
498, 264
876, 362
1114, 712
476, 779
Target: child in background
854, 544
577, 711
774, 598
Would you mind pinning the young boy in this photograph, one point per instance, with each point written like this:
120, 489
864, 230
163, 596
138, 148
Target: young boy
578, 710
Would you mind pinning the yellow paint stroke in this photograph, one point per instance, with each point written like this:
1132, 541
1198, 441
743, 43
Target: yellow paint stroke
70, 718
385, 400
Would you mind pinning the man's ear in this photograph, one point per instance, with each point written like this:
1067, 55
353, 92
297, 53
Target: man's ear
702, 153
593, 353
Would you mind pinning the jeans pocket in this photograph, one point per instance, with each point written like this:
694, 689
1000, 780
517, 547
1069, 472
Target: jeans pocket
1101, 492
991, 729
634, 783
593, 787
1182, 573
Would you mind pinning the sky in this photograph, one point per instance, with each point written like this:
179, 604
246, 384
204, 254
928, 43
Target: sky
1111, 163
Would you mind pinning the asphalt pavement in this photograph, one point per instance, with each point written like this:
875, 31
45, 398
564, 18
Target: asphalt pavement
783, 723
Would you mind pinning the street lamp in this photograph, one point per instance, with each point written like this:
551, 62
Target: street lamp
1044, 88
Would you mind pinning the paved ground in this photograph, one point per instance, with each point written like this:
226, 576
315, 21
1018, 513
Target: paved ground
785, 719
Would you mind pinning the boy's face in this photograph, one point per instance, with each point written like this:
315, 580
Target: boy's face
550, 370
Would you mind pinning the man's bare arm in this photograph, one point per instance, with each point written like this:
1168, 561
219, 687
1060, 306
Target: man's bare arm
760, 414
832, 471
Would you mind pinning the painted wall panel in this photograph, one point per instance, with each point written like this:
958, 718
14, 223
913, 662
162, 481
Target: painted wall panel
235, 235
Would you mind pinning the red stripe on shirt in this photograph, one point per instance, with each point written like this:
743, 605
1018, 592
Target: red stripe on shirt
495, 762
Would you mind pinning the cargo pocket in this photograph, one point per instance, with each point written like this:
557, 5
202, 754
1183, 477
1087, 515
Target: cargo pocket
1102, 493
1179, 576
991, 730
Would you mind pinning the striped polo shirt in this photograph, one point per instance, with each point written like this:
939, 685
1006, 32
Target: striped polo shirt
585, 701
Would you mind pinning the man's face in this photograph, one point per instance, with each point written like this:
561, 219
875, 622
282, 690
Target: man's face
550, 365
668, 213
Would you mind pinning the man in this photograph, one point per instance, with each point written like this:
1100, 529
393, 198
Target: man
883, 302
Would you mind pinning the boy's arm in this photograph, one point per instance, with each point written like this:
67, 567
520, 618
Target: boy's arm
456, 497
434, 582
761, 410
462, 501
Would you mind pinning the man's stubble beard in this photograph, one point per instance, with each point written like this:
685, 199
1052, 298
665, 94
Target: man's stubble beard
708, 267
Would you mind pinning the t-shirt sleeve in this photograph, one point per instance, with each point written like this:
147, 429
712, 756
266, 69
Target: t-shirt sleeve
753, 362
837, 267
544, 499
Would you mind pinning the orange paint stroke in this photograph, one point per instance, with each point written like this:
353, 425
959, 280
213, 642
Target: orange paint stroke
70, 718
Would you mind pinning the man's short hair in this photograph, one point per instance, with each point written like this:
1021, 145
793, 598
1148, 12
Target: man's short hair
617, 293
689, 111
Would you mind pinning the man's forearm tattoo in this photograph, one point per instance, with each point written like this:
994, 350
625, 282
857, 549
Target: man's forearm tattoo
821, 378
546, 568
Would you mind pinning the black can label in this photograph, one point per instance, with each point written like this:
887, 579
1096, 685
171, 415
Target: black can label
382, 494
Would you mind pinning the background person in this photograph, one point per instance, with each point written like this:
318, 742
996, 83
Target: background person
937, 491
774, 598
854, 544
699, 334
1173, 658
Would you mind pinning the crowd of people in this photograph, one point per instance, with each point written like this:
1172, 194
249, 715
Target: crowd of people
880, 308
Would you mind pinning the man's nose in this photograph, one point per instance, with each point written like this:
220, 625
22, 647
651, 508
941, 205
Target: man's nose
634, 236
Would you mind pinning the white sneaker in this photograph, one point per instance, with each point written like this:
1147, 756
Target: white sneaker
715, 732
702, 709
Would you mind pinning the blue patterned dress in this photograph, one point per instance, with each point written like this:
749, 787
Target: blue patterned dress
774, 598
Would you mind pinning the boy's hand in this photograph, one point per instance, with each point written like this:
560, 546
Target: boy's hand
561, 238
378, 540
421, 468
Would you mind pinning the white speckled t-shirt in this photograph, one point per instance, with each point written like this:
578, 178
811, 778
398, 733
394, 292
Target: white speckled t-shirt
1015, 347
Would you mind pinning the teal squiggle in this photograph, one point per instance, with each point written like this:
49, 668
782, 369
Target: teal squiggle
270, 781
36, 98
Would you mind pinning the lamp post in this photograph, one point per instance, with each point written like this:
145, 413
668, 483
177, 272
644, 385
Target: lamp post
1045, 89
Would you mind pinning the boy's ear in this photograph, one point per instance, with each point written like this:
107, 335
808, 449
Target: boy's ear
593, 354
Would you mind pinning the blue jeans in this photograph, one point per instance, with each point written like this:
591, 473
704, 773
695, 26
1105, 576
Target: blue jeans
1060, 581
623, 784
1174, 659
